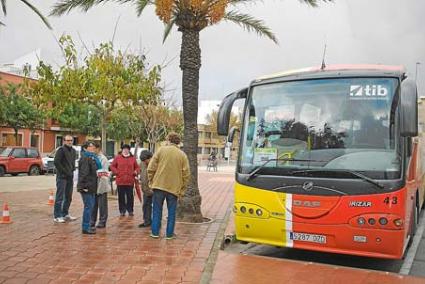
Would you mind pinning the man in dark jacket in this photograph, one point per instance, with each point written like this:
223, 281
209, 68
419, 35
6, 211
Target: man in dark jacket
87, 183
65, 165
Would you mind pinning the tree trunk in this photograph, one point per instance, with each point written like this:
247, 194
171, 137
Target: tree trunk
189, 208
103, 126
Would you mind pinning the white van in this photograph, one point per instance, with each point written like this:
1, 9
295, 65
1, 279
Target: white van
49, 159
139, 150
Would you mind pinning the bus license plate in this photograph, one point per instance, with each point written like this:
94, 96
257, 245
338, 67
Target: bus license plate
321, 239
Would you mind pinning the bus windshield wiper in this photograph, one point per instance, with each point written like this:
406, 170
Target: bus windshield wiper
354, 173
253, 173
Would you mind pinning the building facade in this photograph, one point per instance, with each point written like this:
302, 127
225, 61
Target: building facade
45, 139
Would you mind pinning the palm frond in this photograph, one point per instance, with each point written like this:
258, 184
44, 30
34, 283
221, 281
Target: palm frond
235, 2
141, 5
315, 3
250, 24
3, 6
168, 29
65, 6
35, 10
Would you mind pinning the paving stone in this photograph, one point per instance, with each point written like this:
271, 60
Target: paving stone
45, 252
418, 269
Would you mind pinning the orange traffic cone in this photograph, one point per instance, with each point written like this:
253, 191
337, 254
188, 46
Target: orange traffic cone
6, 216
51, 201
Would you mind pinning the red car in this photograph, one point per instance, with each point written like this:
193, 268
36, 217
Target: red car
15, 160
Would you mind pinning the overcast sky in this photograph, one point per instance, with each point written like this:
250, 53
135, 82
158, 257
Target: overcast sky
356, 31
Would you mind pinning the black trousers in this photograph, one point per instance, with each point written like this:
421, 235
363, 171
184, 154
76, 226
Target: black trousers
125, 198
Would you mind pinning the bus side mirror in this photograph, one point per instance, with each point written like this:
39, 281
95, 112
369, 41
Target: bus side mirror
232, 134
409, 109
225, 110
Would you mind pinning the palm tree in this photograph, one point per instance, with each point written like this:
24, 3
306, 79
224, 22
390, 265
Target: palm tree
33, 8
190, 17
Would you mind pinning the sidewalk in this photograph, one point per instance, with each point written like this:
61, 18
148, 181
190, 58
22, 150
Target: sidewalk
246, 269
35, 250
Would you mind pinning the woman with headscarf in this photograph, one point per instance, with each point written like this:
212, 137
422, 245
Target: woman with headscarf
87, 183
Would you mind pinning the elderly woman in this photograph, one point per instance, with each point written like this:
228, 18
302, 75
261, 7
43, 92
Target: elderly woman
87, 183
125, 169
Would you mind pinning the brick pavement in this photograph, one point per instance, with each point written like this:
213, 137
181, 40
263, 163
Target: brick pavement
248, 269
35, 250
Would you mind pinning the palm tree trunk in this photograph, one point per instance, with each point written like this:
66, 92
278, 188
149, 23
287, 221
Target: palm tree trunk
189, 208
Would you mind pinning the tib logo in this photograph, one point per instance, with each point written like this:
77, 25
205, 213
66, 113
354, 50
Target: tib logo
368, 91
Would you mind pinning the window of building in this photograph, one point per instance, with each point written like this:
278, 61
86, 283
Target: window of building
59, 141
35, 139
199, 150
208, 135
19, 153
75, 140
8, 139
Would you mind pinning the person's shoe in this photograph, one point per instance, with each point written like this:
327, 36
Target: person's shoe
100, 226
172, 237
131, 214
154, 236
59, 220
69, 218
89, 232
144, 225
122, 214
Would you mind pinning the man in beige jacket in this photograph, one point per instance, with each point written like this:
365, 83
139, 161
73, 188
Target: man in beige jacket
168, 174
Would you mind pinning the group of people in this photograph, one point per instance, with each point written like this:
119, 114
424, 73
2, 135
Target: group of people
162, 176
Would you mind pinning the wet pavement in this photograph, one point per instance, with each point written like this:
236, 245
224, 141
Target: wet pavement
33, 249
247, 269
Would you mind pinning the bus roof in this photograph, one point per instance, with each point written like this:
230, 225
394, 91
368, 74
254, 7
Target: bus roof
337, 70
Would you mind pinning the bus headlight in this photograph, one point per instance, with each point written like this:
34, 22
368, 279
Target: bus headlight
361, 221
398, 222
249, 210
377, 221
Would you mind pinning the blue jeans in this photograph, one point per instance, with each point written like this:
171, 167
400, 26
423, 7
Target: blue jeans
63, 196
147, 209
158, 200
88, 200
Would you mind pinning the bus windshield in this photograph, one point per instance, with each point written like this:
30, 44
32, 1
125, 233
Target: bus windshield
324, 124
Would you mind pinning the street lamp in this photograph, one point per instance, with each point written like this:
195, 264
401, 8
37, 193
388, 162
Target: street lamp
416, 71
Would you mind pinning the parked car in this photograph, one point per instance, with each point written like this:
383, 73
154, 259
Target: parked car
48, 161
15, 160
